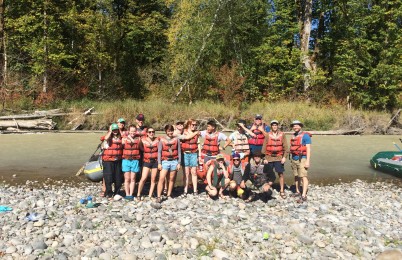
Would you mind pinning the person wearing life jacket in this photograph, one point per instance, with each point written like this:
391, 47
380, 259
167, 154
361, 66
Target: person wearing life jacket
257, 129
131, 163
111, 159
149, 147
257, 178
141, 128
211, 146
236, 172
300, 150
239, 141
178, 132
169, 158
275, 149
218, 177
122, 127
191, 149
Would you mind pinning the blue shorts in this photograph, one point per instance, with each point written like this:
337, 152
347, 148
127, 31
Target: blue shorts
131, 165
277, 165
190, 160
170, 165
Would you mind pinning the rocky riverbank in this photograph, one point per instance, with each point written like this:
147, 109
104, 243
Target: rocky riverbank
357, 220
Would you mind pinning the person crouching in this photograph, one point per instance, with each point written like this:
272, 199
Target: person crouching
217, 177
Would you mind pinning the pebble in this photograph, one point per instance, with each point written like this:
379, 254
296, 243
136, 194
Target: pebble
335, 223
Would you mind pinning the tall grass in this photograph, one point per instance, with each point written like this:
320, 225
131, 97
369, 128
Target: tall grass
159, 112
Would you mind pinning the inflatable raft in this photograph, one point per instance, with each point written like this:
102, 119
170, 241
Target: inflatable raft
388, 161
93, 170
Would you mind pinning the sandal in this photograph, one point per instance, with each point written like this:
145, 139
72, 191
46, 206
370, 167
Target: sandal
222, 196
302, 199
158, 200
283, 195
296, 194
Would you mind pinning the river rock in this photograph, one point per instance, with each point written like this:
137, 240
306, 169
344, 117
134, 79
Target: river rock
155, 236
392, 254
11, 249
220, 254
305, 240
38, 244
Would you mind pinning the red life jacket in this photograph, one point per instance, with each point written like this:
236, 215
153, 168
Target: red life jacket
170, 149
114, 152
211, 144
143, 132
150, 149
240, 143
190, 145
275, 145
131, 150
258, 139
296, 146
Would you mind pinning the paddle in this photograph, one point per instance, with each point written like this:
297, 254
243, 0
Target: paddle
81, 170
397, 147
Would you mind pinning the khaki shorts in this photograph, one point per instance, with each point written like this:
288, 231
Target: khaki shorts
298, 168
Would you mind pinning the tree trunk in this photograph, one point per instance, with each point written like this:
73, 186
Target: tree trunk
305, 18
45, 48
2, 56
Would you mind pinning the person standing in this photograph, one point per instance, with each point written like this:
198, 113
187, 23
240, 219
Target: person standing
131, 157
300, 150
275, 149
111, 161
169, 158
257, 134
149, 146
191, 149
141, 128
121, 122
239, 141
212, 138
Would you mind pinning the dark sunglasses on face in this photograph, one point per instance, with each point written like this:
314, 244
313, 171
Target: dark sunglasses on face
194, 124
236, 159
151, 132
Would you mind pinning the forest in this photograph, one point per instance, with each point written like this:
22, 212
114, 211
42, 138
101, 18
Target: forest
344, 52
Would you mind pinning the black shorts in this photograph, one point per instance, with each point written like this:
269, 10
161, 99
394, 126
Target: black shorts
277, 165
112, 167
150, 165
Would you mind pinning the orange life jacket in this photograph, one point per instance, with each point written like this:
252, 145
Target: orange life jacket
190, 145
240, 143
275, 145
170, 149
258, 139
143, 132
131, 150
211, 144
150, 149
296, 146
114, 152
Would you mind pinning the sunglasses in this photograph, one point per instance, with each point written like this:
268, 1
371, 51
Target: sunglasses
236, 159
194, 124
151, 132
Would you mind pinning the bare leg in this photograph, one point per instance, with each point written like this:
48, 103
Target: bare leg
305, 185
161, 182
144, 176
186, 179
153, 181
172, 177
132, 183
194, 178
127, 179
297, 183
281, 182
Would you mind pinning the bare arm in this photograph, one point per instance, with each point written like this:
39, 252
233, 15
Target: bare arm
308, 150
248, 131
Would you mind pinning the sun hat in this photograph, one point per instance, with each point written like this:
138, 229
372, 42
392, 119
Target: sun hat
258, 116
140, 117
114, 126
296, 122
220, 157
179, 122
274, 122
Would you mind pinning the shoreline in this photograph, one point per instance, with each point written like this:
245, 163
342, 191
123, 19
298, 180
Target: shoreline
348, 221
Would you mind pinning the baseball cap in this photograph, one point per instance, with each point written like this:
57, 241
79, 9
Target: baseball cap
236, 156
258, 116
114, 127
274, 122
241, 121
121, 120
220, 157
140, 117
296, 122
179, 122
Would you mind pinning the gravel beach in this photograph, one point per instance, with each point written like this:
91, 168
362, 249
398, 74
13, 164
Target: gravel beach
355, 220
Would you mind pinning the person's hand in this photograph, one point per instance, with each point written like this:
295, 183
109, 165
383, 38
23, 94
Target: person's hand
160, 167
283, 160
242, 185
221, 164
307, 164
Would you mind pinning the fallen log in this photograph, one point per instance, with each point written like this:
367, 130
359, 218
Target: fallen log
82, 119
46, 124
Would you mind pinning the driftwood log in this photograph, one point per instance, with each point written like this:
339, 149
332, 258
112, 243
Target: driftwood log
46, 124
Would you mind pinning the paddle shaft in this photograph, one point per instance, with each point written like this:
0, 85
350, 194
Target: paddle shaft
397, 147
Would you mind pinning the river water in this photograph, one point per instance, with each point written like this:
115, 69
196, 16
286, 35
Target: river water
37, 157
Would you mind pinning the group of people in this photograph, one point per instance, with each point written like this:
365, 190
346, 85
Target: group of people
258, 151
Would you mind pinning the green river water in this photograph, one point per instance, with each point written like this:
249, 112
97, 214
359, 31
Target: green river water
37, 157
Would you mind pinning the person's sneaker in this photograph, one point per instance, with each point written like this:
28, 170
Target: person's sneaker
130, 198
302, 199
